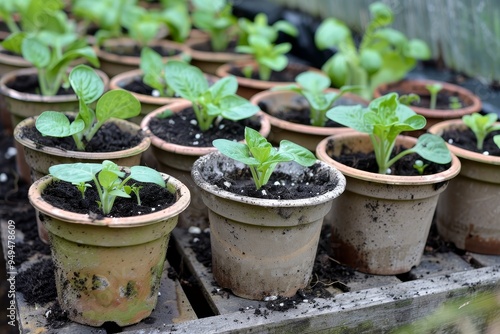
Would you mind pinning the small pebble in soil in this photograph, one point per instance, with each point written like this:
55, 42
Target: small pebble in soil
193, 122
3, 177
194, 230
227, 184
486, 153
11, 152
270, 298
450, 141
155, 93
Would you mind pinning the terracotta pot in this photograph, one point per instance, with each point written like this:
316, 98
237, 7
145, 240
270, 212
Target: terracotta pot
381, 223
101, 271
177, 160
248, 87
209, 61
38, 159
272, 102
262, 247
113, 58
22, 105
148, 102
472, 103
468, 211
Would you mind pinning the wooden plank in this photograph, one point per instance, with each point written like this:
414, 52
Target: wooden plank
483, 260
439, 264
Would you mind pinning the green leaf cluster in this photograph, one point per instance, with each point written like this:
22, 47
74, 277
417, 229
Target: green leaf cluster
482, 125
383, 120
313, 87
210, 102
49, 41
261, 157
109, 180
89, 88
384, 54
216, 18
261, 27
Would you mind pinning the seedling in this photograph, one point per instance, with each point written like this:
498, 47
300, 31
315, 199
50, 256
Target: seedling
260, 26
153, 69
455, 103
384, 55
215, 18
420, 166
210, 102
433, 89
261, 157
89, 88
383, 120
109, 180
481, 125
268, 56
408, 99
312, 86
496, 140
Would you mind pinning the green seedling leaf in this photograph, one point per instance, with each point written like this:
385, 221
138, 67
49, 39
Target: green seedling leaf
237, 151
299, 155
107, 178
187, 81
146, 174
35, 52
433, 148
496, 140
481, 125
86, 83
75, 173
117, 104
56, 124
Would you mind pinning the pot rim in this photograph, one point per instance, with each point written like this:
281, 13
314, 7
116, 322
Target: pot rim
30, 121
17, 95
179, 105
274, 203
445, 175
182, 202
440, 127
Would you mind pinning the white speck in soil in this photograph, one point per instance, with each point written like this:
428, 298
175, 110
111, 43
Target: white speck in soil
194, 230
227, 184
450, 141
197, 136
11, 152
195, 240
155, 93
270, 298
221, 126
171, 121
264, 193
486, 153
196, 142
3, 177
193, 122
388, 171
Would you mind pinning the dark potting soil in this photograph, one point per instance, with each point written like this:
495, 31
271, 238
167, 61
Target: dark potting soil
442, 100
206, 46
181, 128
66, 196
282, 186
37, 283
404, 166
29, 84
135, 51
467, 140
139, 87
109, 138
287, 75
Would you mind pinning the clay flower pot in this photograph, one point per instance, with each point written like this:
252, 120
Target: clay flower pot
308, 136
177, 160
470, 102
467, 212
381, 222
102, 271
116, 54
248, 87
209, 61
263, 247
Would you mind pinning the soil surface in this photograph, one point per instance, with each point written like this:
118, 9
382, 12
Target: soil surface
29, 84
181, 128
287, 75
135, 51
444, 100
467, 140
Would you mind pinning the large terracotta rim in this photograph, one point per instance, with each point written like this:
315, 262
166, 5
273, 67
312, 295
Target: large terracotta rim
223, 71
98, 156
17, 95
265, 129
13, 60
303, 128
132, 60
473, 100
321, 153
272, 203
440, 127
174, 185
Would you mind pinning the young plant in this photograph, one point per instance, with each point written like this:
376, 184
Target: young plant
268, 56
481, 125
210, 102
89, 88
217, 20
312, 86
384, 54
261, 157
153, 68
109, 180
420, 166
383, 120
50, 48
434, 89
260, 26
454, 103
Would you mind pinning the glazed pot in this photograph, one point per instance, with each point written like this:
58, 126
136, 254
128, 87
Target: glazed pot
115, 54
381, 222
177, 160
308, 136
471, 102
263, 247
39, 158
468, 211
248, 87
102, 273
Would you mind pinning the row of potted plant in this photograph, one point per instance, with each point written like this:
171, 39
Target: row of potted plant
202, 184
